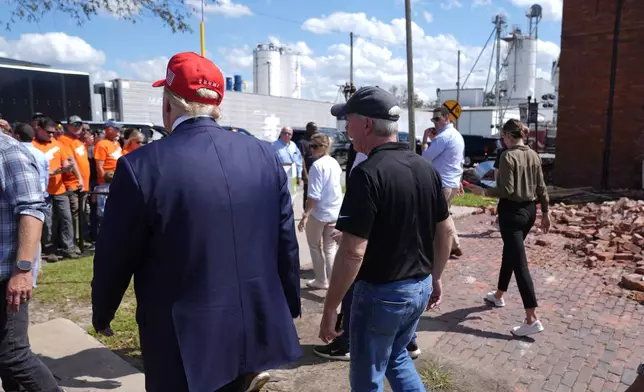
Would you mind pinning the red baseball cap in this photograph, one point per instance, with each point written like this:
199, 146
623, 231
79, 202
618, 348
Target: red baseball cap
187, 72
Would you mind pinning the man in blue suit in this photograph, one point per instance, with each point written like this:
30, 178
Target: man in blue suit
203, 220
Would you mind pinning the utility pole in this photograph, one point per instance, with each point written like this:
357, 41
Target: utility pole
202, 32
410, 78
268, 64
351, 61
458, 82
499, 20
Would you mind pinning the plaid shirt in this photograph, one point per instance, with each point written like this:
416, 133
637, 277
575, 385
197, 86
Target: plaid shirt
20, 194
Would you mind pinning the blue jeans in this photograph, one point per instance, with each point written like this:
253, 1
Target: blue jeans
383, 320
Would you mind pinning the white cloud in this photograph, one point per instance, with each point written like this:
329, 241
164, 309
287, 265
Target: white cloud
238, 57
552, 9
478, 3
449, 4
227, 8
359, 24
379, 57
58, 50
428, 17
146, 70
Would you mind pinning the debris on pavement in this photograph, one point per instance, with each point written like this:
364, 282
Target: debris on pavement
606, 234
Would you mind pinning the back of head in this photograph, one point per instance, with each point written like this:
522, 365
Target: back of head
193, 86
311, 128
24, 132
515, 128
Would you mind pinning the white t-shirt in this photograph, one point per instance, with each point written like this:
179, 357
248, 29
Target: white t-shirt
325, 189
359, 158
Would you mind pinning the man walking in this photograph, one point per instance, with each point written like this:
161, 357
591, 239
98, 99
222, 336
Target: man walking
446, 152
214, 313
23, 206
290, 158
307, 156
393, 210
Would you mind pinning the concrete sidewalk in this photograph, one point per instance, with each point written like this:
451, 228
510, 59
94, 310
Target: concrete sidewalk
81, 363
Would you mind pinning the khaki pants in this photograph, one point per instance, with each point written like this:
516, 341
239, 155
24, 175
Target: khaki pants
450, 193
318, 235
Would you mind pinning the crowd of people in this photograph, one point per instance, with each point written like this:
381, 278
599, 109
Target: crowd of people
204, 222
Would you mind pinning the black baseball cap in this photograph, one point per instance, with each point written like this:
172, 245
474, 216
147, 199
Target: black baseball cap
372, 102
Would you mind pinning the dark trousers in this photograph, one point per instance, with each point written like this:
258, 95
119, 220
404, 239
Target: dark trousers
60, 230
305, 194
345, 317
93, 220
18, 365
515, 222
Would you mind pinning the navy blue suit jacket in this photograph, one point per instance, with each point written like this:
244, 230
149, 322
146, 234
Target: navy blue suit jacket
203, 221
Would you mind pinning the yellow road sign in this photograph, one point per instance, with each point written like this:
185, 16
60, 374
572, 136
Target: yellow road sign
454, 109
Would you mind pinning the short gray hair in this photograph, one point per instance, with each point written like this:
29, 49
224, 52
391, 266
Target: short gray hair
382, 127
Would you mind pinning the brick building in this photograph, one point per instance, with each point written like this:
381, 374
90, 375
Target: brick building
600, 130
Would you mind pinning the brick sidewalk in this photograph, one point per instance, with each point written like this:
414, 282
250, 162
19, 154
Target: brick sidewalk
594, 337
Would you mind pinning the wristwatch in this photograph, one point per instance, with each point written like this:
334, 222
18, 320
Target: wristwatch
24, 265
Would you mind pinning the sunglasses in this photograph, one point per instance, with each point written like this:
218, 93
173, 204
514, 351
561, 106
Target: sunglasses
77, 124
314, 146
287, 134
434, 119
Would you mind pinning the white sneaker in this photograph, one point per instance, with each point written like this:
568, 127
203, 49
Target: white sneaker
528, 329
314, 284
258, 382
491, 298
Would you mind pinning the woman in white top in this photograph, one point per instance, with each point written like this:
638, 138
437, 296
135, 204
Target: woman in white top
322, 209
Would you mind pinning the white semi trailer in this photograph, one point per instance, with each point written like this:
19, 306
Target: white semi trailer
262, 115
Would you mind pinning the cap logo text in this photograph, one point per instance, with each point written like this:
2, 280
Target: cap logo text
209, 83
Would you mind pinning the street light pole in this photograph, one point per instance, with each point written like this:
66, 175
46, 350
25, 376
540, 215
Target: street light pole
410, 78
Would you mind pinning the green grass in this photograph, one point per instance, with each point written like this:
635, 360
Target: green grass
66, 287
471, 200
435, 376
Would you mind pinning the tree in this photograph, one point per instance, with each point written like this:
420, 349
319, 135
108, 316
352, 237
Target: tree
174, 14
400, 92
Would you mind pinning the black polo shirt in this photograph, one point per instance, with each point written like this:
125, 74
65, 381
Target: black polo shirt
394, 199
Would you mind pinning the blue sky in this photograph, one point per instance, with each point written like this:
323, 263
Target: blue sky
109, 47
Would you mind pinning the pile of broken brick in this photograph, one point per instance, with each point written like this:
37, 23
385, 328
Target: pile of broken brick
604, 234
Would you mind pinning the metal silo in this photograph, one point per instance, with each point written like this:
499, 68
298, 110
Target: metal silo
291, 74
267, 71
522, 66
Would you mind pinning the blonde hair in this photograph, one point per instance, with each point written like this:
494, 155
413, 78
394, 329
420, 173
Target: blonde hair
194, 108
136, 134
323, 139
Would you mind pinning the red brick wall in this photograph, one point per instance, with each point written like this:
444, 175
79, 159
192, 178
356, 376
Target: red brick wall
584, 81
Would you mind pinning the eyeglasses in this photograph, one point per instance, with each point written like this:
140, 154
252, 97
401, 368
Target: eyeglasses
314, 146
435, 119
287, 134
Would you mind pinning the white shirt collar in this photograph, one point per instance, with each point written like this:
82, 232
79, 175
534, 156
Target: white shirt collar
184, 118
